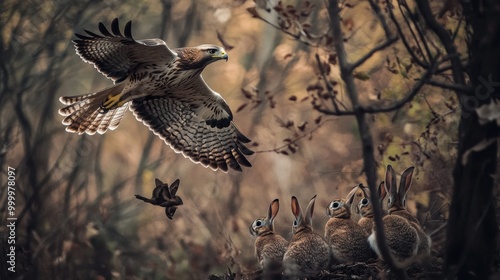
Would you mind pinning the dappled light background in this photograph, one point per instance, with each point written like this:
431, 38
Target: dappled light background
78, 217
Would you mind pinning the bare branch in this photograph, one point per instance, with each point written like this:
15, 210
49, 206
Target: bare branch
401, 34
457, 71
381, 18
369, 163
367, 56
335, 113
408, 97
300, 36
417, 27
296, 139
454, 87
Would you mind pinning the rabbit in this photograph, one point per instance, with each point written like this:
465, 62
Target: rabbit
396, 204
346, 238
364, 208
307, 254
269, 246
402, 236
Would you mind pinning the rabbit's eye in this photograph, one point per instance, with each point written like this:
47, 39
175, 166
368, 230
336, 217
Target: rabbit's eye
335, 205
295, 223
258, 223
364, 201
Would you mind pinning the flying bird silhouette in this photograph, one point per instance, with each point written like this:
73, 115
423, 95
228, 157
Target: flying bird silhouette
164, 89
164, 196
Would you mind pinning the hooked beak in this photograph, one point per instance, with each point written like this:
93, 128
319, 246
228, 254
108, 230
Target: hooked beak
221, 55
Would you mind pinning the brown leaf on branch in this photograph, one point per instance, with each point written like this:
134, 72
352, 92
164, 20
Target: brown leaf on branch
302, 127
242, 106
247, 93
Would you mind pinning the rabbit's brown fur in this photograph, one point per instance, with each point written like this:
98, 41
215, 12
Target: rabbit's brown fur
346, 238
403, 237
269, 246
365, 208
307, 254
397, 205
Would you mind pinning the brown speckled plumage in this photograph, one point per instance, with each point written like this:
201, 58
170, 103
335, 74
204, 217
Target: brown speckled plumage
165, 91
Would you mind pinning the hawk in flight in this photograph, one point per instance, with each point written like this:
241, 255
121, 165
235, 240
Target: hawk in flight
164, 89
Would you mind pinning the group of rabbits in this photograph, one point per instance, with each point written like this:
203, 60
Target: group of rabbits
345, 241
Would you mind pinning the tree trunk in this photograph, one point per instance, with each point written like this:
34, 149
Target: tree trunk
472, 229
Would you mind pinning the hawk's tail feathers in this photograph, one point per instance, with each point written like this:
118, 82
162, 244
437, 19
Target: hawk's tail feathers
85, 115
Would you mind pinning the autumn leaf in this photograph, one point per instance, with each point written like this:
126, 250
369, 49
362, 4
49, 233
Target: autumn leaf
247, 93
242, 106
361, 76
302, 127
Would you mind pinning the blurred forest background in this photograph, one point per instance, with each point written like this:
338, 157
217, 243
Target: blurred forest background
77, 215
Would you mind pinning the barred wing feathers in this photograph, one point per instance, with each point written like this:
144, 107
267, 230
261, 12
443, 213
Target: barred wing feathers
179, 125
116, 55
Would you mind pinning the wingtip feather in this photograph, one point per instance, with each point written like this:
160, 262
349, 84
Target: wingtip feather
115, 28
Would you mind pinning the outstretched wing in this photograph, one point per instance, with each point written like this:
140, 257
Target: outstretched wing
116, 55
198, 125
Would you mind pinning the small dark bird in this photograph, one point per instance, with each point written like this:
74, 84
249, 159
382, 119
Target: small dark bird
164, 196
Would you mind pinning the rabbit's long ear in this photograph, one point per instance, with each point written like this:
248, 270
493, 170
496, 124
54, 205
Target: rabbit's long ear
350, 196
310, 210
297, 212
174, 187
405, 183
274, 207
363, 190
391, 185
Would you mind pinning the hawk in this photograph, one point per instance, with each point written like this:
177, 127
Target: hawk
164, 89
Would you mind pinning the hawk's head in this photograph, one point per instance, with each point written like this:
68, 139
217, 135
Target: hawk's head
197, 58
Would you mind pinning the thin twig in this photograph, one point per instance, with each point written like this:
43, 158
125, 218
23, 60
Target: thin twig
401, 34
329, 86
369, 164
417, 27
381, 18
454, 87
376, 49
412, 32
296, 139
409, 96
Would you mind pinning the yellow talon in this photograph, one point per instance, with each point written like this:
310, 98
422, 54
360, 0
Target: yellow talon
113, 101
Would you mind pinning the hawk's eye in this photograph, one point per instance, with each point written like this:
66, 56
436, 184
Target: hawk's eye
212, 51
